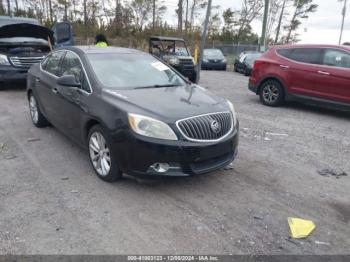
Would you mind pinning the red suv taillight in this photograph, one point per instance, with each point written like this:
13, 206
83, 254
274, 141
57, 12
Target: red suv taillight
258, 63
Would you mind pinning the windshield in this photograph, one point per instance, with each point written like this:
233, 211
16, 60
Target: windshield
132, 71
181, 51
213, 53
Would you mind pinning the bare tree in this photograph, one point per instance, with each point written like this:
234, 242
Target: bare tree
142, 10
196, 7
251, 9
2, 9
179, 12
278, 29
85, 18
343, 20
8, 8
302, 10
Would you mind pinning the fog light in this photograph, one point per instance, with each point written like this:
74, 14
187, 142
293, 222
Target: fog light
160, 167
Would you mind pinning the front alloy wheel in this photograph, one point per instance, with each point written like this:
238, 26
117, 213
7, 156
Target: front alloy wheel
101, 155
38, 118
271, 93
33, 109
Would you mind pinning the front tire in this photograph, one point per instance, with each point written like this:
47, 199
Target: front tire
38, 118
271, 93
102, 156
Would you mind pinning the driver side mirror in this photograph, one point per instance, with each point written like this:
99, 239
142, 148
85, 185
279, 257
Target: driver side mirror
68, 81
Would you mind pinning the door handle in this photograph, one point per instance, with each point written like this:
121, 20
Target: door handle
54, 90
323, 73
284, 66
37, 80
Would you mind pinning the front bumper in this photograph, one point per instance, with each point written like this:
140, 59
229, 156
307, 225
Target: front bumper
9, 73
212, 65
253, 87
185, 158
187, 71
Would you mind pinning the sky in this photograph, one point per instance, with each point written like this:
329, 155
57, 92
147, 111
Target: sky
322, 27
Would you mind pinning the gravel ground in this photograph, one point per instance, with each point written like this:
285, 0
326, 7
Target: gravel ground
51, 202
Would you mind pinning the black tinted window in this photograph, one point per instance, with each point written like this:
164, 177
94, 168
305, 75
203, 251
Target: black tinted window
285, 52
71, 66
52, 63
304, 55
338, 58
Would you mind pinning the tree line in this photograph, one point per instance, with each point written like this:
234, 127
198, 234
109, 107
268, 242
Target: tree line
141, 18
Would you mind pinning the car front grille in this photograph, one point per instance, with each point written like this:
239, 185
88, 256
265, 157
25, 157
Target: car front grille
25, 61
208, 127
215, 60
186, 61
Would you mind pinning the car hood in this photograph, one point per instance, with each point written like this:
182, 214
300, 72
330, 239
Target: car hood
26, 30
170, 103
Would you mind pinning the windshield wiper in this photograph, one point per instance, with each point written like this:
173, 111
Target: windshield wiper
155, 86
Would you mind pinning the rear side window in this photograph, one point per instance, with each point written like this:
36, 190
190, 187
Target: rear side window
304, 55
52, 63
337, 58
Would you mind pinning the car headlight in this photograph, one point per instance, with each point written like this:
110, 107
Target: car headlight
150, 127
174, 61
224, 60
4, 60
233, 111
205, 60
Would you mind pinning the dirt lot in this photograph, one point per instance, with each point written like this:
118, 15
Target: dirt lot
51, 202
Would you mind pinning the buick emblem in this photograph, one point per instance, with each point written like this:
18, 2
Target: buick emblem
215, 126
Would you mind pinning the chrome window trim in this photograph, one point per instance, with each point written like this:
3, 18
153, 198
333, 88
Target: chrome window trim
82, 65
207, 140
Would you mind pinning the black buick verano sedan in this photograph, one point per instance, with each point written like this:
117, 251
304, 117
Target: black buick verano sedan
132, 112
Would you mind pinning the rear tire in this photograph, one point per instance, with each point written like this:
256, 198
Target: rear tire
102, 155
37, 117
271, 93
245, 71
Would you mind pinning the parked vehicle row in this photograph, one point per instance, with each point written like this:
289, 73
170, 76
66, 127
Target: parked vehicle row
316, 73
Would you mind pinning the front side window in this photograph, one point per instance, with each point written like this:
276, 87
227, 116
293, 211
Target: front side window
52, 63
129, 71
71, 66
337, 58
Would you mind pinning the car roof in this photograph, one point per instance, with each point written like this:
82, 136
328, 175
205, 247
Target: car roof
312, 46
9, 20
101, 50
166, 38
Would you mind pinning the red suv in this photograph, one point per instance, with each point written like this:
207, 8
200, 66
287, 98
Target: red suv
320, 73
